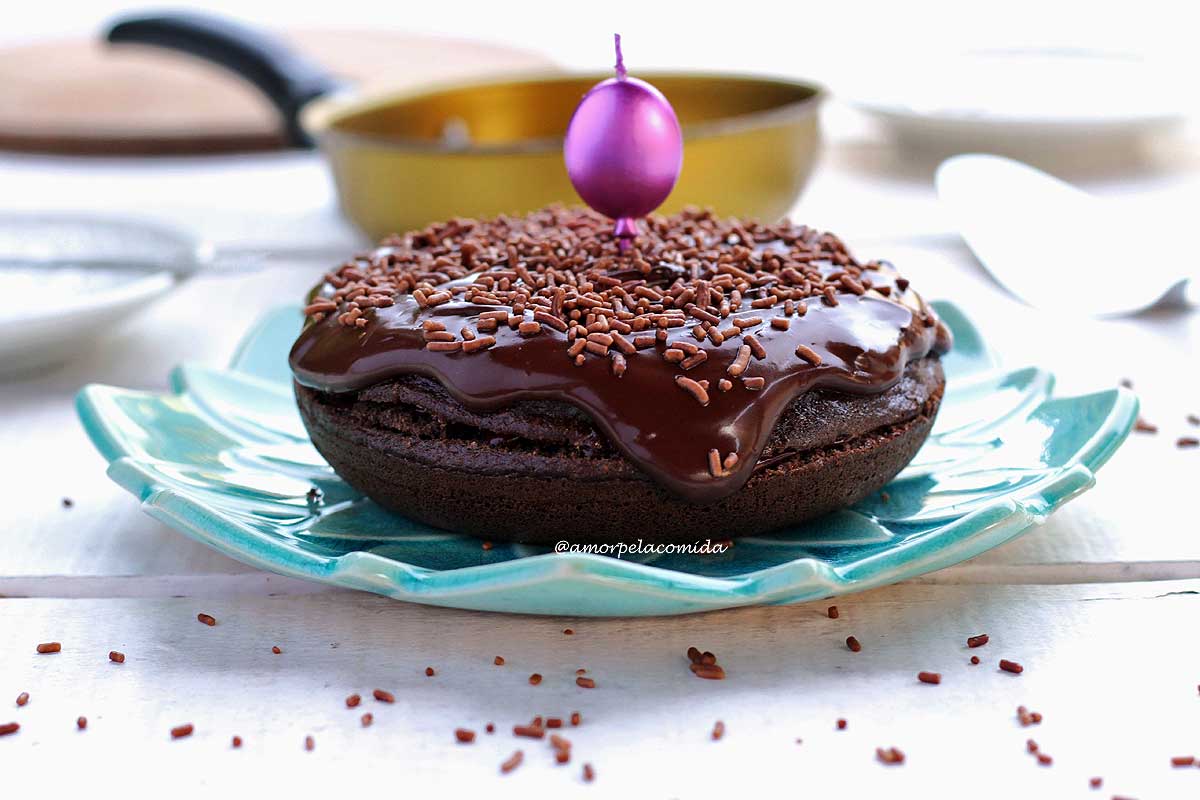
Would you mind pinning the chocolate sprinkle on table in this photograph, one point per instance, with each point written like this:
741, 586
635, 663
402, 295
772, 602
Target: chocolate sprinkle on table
116, 657
532, 731
1142, 426
512, 762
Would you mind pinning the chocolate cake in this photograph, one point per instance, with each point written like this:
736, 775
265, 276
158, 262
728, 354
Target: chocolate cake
534, 379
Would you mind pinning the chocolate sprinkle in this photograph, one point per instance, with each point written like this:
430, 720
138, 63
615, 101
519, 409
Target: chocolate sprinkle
1011, 666
512, 762
1142, 426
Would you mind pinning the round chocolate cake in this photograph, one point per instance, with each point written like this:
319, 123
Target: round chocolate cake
535, 379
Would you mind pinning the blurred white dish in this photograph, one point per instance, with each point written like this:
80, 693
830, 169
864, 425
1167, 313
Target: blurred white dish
1026, 97
69, 279
1059, 248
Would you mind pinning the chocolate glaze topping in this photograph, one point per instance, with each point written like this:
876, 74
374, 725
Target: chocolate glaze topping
684, 350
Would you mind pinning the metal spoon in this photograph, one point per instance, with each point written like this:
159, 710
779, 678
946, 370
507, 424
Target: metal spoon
1057, 247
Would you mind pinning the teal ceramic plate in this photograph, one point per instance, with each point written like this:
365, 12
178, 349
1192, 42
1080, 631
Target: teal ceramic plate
224, 459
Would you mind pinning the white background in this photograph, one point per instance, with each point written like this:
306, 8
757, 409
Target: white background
811, 39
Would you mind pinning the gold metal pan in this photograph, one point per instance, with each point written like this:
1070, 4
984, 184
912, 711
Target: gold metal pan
402, 160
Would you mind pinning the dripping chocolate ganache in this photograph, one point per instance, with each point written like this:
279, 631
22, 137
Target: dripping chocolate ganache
528, 378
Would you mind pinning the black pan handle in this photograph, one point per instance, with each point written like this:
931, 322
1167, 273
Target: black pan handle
289, 79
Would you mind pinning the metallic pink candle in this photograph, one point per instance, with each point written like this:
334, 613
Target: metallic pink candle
624, 148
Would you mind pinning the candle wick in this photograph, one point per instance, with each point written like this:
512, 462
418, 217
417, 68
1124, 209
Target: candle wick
621, 73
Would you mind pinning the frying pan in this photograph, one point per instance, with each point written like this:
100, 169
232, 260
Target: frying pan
404, 159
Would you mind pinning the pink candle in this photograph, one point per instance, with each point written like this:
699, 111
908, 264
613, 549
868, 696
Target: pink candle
623, 148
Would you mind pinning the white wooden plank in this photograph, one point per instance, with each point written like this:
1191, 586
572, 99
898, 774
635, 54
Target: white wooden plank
1113, 669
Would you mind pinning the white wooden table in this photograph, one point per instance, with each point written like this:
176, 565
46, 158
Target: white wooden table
1099, 604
